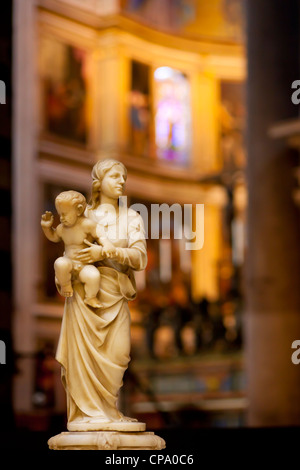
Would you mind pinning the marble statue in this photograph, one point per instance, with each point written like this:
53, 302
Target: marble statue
103, 247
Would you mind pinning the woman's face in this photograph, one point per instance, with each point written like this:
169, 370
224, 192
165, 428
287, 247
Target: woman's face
113, 183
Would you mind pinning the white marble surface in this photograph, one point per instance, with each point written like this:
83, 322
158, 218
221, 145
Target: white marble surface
106, 440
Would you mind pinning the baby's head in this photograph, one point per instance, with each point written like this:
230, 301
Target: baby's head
70, 205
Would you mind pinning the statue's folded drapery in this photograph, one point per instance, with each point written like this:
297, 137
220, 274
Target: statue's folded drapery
94, 344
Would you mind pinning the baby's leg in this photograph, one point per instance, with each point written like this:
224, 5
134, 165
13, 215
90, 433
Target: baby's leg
90, 277
63, 272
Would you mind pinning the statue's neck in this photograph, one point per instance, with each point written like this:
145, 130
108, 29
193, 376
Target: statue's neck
109, 204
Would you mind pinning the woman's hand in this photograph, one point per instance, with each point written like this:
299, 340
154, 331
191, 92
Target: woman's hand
91, 254
117, 255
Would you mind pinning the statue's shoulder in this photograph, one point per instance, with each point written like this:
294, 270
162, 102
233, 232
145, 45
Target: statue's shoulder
89, 213
134, 218
135, 224
132, 214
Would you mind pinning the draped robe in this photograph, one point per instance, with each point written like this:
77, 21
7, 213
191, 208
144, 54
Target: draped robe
94, 344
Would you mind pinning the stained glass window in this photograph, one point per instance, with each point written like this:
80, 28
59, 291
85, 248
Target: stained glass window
172, 115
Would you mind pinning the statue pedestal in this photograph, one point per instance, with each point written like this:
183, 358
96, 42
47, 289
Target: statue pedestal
106, 440
124, 426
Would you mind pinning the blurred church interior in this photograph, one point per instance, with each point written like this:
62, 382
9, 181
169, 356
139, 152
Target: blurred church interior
185, 94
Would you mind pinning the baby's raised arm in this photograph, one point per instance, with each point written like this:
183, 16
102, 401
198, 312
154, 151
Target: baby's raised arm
47, 225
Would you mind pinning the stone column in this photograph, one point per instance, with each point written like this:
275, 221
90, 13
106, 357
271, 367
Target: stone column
273, 253
25, 236
7, 366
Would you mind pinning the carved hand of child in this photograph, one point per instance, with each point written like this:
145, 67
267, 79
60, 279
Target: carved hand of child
47, 219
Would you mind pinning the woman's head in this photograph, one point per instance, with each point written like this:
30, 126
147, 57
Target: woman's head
110, 167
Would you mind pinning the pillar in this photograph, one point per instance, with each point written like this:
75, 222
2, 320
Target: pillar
273, 233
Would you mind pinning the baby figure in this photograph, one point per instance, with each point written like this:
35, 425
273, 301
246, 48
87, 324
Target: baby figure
73, 230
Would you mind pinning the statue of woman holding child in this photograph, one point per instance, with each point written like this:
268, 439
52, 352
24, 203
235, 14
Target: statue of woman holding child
94, 344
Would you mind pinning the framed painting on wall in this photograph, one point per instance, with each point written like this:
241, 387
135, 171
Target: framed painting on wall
64, 101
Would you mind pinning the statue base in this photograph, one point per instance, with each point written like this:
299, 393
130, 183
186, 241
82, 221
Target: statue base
129, 426
106, 440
